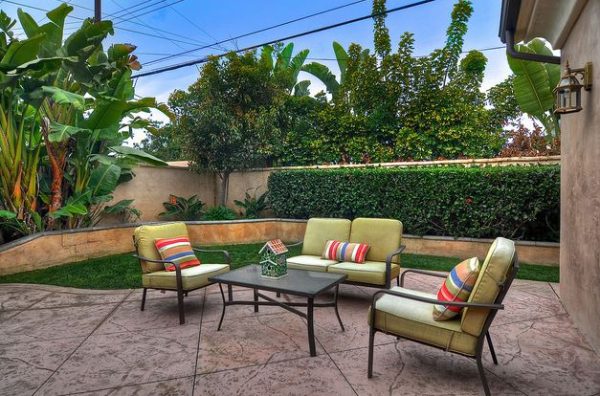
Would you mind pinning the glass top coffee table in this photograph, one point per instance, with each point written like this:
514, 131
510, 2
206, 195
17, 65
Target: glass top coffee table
301, 283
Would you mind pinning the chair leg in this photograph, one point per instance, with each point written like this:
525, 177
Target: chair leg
398, 280
180, 306
486, 388
491, 346
143, 299
371, 342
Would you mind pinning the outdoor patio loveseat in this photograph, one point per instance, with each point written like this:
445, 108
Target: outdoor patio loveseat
382, 264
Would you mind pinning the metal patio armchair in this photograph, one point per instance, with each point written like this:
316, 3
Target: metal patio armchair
407, 313
183, 281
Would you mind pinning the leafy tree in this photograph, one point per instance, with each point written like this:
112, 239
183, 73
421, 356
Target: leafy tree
228, 116
65, 106
287, 67
394, 105
162, 141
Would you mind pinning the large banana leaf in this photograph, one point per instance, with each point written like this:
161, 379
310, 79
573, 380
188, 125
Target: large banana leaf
342, 60
109, 111
301, 89
75, 206
63, 97
60, 132
22, 51
323, 73
531, 84
539, 46
297, 62
104, 180
138, 155
284, 57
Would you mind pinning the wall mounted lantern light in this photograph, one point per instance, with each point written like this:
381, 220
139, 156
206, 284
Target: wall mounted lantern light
567, 95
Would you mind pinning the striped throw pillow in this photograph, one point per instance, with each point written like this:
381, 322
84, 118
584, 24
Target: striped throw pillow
178, 250
345, 251
457, 287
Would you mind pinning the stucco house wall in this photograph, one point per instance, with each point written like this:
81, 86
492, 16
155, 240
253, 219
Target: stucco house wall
580, 184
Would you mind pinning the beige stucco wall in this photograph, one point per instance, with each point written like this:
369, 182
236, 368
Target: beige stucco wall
152, 186
580, 184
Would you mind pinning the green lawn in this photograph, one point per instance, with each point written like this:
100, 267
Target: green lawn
123, 271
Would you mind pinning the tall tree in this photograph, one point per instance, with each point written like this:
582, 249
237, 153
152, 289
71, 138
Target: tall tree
228, 116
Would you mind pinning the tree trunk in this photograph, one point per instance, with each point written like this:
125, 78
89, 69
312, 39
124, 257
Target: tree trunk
222, 187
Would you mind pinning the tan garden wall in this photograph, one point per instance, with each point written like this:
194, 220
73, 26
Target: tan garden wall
152, 186
55, 248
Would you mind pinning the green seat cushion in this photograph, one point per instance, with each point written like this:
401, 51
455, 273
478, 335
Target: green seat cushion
309, 263
412, 319
146, 235
192, 278
491, 275
382, 235
320, 230
372, 272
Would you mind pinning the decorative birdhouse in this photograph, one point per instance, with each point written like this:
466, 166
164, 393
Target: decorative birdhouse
273, 259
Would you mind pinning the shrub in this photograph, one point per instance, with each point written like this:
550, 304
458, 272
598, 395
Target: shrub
219, 213
182, 209
514, 202
253, 205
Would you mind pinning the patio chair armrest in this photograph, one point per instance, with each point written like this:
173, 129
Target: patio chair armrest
388, 265
434, 301
295, 244
155, 260
423, 272
225, 253
176, 265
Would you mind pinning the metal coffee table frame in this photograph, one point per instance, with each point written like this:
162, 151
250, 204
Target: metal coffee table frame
274, 285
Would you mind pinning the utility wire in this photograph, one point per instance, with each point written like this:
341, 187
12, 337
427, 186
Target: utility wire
258, 31
151, 11
293, 36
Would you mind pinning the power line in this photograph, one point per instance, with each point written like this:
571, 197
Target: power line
293, 36
197, 27
151, 11
141, 3
258, 31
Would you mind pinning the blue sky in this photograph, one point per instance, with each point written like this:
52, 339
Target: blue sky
193, 23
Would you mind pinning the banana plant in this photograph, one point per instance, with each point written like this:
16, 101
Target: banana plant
66, 108
287, 67
534, 83
326, 76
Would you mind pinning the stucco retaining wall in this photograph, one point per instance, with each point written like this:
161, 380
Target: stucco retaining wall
55, 248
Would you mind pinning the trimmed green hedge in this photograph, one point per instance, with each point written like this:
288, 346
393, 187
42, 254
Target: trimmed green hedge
518, 202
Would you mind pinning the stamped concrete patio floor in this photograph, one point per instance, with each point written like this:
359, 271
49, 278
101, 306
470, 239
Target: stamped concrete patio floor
56, 341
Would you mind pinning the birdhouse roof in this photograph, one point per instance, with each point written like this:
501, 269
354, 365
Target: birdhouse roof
275, 246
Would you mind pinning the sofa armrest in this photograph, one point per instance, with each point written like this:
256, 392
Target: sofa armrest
388, 265
225, 253
423, 272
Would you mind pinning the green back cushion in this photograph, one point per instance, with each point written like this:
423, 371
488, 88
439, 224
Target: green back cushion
319, 231
492, 273
145, 237
382, 235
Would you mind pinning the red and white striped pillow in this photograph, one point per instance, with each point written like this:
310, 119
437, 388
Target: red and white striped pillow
178, 250
345, 251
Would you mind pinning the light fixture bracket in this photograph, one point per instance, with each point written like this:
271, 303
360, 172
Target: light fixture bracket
585, 73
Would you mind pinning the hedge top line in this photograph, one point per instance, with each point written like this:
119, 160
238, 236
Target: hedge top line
479, 162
